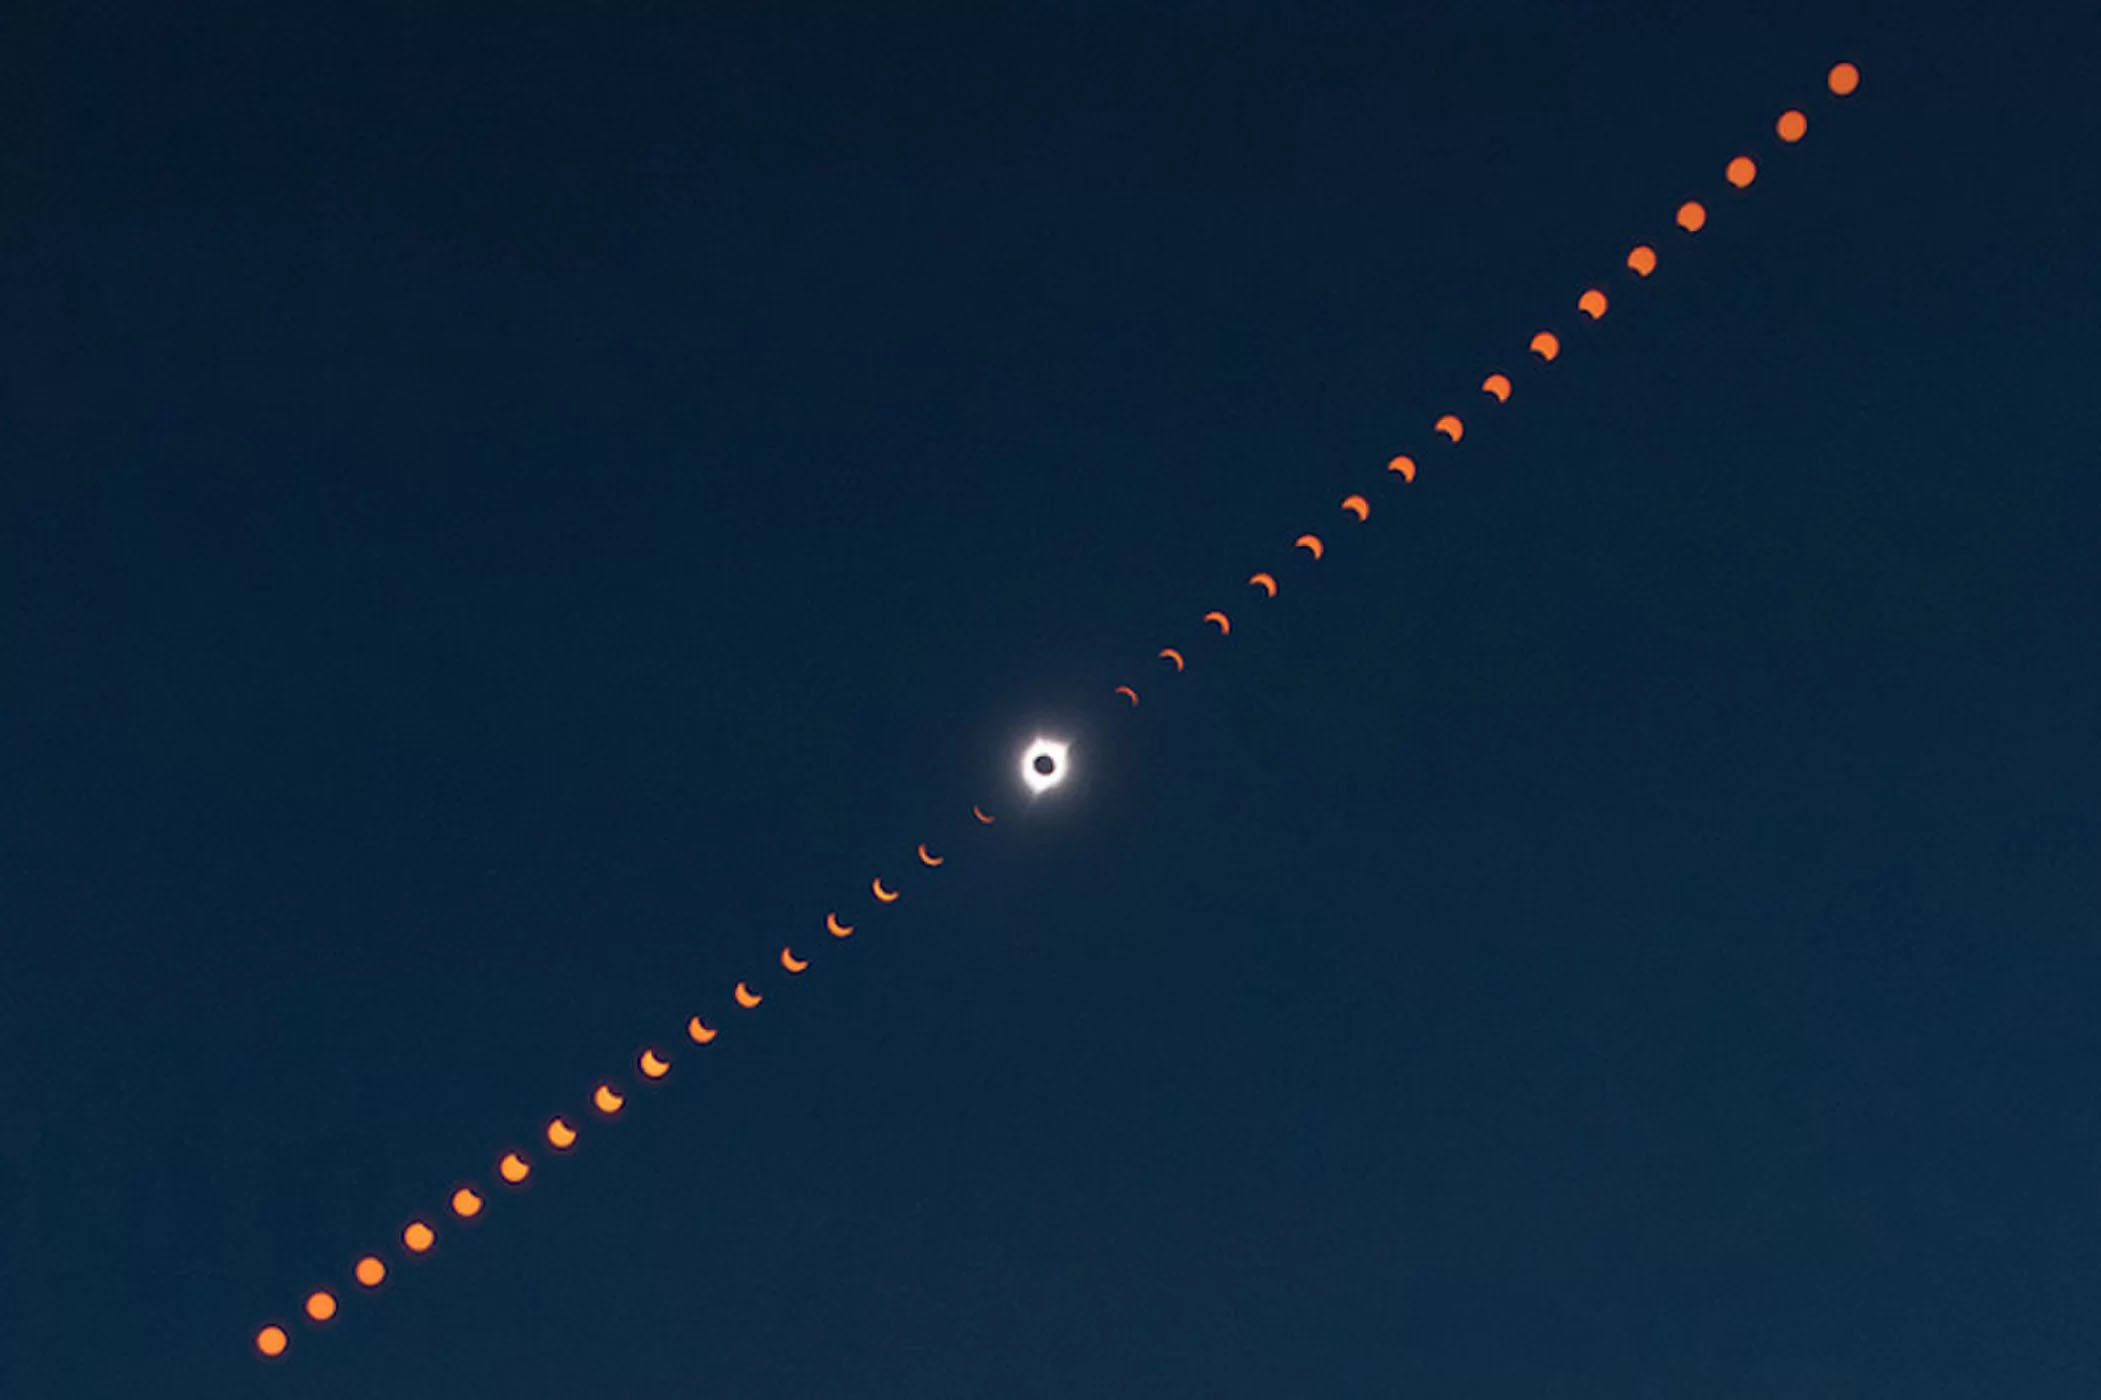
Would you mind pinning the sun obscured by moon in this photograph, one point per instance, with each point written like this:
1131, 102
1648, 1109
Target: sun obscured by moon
1043, 765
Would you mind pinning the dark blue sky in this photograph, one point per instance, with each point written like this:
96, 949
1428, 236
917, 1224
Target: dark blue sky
510, 521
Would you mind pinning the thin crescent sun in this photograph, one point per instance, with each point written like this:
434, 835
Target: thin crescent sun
978, 812
1264, 582
791, 962
835, 928
927, 857
1170, 654
1357, 506
1129, 694
700, 1032
1311, 544
886, 896
1225, 624
747, 998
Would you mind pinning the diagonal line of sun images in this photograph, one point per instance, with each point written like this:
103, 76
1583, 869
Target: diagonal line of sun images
564, 1131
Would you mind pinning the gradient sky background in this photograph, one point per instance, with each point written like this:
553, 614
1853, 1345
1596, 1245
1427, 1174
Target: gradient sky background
508, 521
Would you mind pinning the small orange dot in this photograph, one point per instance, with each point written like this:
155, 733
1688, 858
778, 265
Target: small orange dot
1844, 79
1741, 172
272, 1341
465, 1204
1791, 126
371, 1272
513, 1168
1691, 216
1642, 260
320, 1305
419, 1237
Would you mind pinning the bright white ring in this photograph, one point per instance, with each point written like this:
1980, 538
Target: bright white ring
1039, 747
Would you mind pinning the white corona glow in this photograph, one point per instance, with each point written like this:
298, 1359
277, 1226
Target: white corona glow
1042, 748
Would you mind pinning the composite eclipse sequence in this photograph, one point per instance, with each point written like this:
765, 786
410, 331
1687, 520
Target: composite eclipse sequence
1042, 768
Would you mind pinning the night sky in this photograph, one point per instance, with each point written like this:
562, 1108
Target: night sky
511, 519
